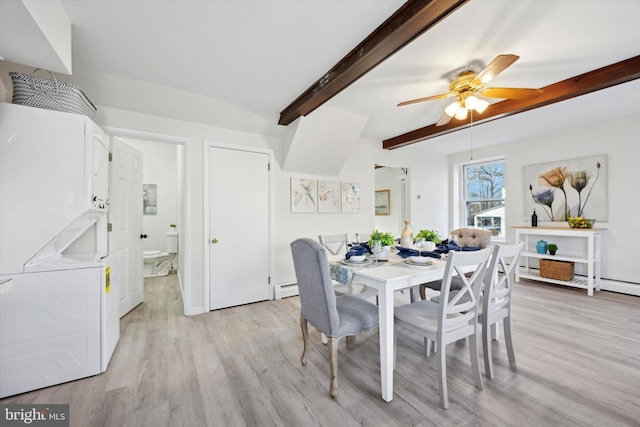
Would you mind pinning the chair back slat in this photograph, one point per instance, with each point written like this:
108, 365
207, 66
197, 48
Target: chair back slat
334, 243
461, 309
500, 277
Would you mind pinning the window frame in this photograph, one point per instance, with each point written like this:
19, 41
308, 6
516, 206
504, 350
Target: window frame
465, 200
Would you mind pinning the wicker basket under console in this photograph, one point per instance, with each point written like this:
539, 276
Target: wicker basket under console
559, 270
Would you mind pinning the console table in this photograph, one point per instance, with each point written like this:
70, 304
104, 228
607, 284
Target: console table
592, 257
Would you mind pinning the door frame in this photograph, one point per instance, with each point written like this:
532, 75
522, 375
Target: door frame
184, 215
208, 145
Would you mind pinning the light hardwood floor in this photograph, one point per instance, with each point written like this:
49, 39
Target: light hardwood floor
578, 364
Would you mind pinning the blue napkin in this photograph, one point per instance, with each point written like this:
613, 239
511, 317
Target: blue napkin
445, 247
407, 252
358, 250
470, 248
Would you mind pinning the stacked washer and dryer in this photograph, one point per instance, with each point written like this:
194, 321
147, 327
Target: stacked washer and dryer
59, 287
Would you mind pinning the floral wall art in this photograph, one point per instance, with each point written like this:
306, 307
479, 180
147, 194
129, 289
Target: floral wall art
328, 197
303, 195
350, 197
567, 188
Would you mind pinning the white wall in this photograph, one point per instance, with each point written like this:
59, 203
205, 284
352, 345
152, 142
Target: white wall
430, 181
618, 139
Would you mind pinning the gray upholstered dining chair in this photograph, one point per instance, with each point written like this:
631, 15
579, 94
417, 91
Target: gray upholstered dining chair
446, 323
464, 237
334, 316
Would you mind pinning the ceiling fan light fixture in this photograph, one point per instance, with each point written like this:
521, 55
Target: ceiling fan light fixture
481, 105
461, 114
453, 108
470, 102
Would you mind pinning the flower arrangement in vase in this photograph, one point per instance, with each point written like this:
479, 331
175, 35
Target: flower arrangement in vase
386, 239
432, 238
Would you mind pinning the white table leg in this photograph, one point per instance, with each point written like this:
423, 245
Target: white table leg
385, 313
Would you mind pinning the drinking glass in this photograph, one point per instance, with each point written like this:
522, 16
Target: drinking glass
421, 243
376, 248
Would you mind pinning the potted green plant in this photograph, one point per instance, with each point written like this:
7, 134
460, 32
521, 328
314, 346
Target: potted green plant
552, 247
431, 238
387, 239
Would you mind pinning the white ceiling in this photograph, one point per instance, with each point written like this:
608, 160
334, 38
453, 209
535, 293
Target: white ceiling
261, 55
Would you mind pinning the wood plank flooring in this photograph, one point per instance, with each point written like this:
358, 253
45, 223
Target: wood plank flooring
578, 364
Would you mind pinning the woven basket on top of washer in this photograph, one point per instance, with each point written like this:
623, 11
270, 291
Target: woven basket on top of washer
50, 94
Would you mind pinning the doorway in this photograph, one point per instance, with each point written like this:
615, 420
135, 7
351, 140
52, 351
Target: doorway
175, 148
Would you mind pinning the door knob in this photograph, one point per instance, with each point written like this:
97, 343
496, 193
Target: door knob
143, 236
214, 240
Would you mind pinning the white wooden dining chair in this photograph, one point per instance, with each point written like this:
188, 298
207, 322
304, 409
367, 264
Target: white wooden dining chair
363, 237
450, 322
464, 237
338, 244
496, 299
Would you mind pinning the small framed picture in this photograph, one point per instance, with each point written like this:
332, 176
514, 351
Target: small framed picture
303, 195
383, 206
350, 197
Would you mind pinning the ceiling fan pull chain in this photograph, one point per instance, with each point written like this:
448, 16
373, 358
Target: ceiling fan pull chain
471, 129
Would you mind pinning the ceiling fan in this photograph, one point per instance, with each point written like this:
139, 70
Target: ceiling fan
469, 85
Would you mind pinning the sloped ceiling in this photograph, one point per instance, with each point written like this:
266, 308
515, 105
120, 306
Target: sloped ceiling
260, 56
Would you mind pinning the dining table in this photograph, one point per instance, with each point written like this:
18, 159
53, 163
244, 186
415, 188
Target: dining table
388, 277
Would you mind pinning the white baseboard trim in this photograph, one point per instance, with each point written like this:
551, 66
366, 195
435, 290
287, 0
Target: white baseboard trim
620, 287
283, 290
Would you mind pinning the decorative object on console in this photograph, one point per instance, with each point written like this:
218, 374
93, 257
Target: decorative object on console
579, 222
558, 270
541, 247
565, 188
534, 219
552, 248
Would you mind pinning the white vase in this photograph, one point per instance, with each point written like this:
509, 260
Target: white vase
385, 254
429, 246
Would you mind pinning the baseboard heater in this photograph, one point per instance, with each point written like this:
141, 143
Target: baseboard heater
283, 290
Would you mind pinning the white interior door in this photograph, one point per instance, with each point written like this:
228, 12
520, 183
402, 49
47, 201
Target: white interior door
238, 227
126, 220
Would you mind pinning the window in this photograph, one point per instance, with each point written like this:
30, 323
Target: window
484, 196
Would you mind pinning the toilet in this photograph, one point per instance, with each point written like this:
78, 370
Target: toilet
159, 263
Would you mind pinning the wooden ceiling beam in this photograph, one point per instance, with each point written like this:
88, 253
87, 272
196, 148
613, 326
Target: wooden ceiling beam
412, 19
602, 78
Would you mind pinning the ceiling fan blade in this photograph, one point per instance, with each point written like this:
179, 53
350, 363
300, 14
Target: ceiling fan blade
444, 120
495, 67
511, 93
428, 98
